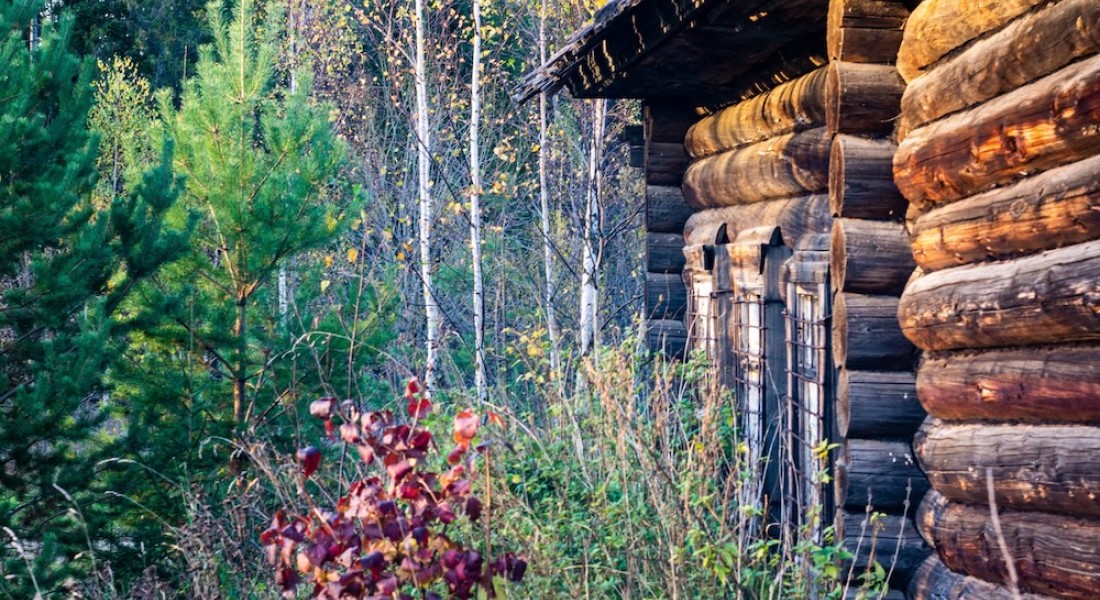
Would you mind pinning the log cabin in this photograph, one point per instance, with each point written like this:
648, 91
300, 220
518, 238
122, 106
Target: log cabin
880, 220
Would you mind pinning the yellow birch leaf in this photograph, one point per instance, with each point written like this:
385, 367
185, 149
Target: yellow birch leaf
353, 255
324, 284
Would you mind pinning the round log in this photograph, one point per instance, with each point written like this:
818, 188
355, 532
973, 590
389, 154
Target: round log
664, 253
795, 217
793, 106
880, 474
866, 334
934, 581
870, 257
1060, 383
873, 404
1049, 468
861, 180
891, 541
790, 165
665, 209
1054, 555
667, 336
665, 163
1053, 297
665, 296
1042, 125
862, 99
1031, 47
865, 31
937, 27
1053, 209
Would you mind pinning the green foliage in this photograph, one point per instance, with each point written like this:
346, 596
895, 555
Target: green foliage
67, 266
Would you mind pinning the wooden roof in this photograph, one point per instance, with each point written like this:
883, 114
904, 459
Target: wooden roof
708, 52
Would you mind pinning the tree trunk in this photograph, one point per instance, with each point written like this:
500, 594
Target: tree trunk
934, 581
424, 160
588, 322
861, 180
782, 167
1054, 555
240, 369
1031, 47
544, 212
1050, 210
1053, 297
870, 257
1058, 383
862, 99
879, 474
866, 334
937, 27
1049, 468
865, 31
794, 106
876, 405
480, 382
1048, 123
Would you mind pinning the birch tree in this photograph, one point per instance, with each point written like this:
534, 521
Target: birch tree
544, 207
588, 325
475, 205
424, 199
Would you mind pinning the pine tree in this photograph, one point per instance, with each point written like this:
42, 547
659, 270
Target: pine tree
67, 266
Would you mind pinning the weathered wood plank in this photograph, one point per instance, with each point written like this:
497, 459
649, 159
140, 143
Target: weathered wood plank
865, 31
1051, 122
862, 99
667, 121
665, 163
881, 474
796, 217
892, 541
1034, 46
664, 253
870, 257
934, 581
1052, 554
1048, 468
665, 209
937, 27
876, 405
861, 180
1053, 297
667, 336
665, 295
1053, 209
866, 335
1060, 383
794, 106
789, 165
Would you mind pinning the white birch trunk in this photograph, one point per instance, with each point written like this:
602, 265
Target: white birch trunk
544, 208
475, 208
589, 310
424, 158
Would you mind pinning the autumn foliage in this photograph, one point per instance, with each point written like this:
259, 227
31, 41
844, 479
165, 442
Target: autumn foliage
388, 536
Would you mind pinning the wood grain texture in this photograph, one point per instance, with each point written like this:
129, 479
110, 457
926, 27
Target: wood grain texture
866, 335
889, 540
794, 106
1051, 122
667, 336
1060, 383
865, 31
665, 296
664, 253
881, 474
1052, 209
665, 163
796, 217
934, 581
861, 180
786, 166
1053, 297
665, 209
1046, 468
1054, 555
1031, 47
862, 99
877, 405
870, 257
937, 27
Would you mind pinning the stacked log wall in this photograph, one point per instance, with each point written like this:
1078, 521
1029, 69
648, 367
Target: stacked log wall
999, 160
877, 408
664, 162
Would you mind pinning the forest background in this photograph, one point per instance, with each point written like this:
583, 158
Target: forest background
210, 216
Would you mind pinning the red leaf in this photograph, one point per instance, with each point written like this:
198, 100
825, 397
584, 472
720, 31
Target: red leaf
419, 408
323, 407
466, 423
330, 429
366, 454
309, 458
496, 420
412, 388
349, 433
456, 455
